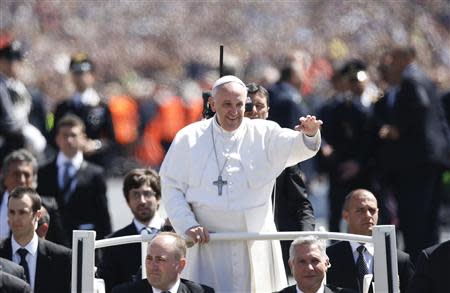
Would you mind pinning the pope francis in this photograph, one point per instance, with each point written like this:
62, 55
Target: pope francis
218, 176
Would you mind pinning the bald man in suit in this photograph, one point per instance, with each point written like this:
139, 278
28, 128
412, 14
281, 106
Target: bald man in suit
166, 259
361, 214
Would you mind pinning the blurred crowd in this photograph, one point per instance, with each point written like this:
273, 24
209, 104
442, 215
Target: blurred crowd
159, 54
117, 81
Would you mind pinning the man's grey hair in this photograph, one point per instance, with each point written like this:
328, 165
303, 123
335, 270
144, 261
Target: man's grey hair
20, 155
307, 240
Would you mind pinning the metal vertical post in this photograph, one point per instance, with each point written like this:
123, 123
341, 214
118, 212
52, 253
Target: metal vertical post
83, 250
385, 259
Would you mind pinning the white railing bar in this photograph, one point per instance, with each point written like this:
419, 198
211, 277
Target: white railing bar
289, 236
242, 236
123, 240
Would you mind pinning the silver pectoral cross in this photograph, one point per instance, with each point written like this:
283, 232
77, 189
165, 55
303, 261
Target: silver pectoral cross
220, 183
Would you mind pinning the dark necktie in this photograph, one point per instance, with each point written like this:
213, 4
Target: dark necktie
361, 265
23, 262
66, 175
67, 181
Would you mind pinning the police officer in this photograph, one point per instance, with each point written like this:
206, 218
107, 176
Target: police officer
91, 107
22, 112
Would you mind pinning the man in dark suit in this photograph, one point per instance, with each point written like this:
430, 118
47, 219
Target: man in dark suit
286, 102
361, 214
12, 284
20, 107
420, 146
432, 270
382, 145
47, 265
20, 168
309, 264
166, 259
345, 151
142, 191
78, 186
92, 109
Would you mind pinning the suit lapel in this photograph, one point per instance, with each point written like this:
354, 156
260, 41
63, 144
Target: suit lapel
354, 269
6, 249
42, 267
348, 256
183, 288
2, 277
144, 286
53, 181
131, 229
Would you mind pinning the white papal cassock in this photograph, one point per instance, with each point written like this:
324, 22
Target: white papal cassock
258, 151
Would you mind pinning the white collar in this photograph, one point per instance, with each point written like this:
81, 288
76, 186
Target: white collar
320, 290
31, 247
156, 223
173, 289
89, 97
235, 134
76, 161
369, 247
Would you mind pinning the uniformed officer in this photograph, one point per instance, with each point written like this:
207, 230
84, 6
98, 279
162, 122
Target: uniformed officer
92, 108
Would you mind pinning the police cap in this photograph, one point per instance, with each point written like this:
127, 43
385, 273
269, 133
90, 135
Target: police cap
80, 63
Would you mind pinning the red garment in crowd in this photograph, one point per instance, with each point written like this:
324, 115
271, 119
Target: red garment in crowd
173, 114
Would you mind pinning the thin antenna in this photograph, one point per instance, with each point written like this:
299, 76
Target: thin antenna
221, 61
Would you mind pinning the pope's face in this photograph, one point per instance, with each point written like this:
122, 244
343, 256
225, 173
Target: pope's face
229, 105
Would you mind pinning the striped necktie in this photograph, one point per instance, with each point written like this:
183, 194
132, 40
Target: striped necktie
361, 265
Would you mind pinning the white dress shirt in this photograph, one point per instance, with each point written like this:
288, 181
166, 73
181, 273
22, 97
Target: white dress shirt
76, 162
368, 254
155, 223
31, 257
89, 97
320, 290
173, 289
4, 226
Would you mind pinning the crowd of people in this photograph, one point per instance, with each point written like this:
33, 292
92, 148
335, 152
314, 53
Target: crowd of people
383, 144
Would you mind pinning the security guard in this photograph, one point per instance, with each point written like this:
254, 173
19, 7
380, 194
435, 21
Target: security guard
92, 108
